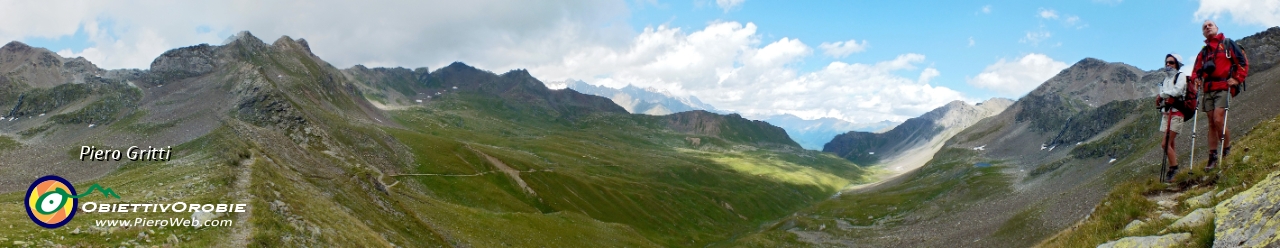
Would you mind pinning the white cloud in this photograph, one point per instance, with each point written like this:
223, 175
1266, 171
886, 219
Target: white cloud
841, 49
1071, 20
728, 66
1035, 37
729, 4
493, 34
928, 74
1016, 78
985, 9
971, 43
1251, 12
1048, 14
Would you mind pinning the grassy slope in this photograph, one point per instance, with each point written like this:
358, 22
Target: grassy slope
943, 185
615, 168
1127, 202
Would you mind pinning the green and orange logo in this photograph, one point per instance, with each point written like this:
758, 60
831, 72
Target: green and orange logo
51, 200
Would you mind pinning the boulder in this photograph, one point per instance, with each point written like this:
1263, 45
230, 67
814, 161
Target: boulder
1250, 218
1195, 218
1200, 201
1133, 226
1149, 241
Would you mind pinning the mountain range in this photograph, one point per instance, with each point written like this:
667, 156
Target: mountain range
460, 156
810, 134
454, 156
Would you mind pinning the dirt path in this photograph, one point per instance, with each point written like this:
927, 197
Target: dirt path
511, 172
243, 230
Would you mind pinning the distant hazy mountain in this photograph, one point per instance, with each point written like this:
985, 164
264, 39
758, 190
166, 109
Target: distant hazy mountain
812, 134
928, 130
640, 100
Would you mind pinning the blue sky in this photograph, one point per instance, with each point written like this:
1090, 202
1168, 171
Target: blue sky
1138, 33
860, 61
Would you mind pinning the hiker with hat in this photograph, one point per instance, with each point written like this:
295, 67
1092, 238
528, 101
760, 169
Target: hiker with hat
1219, 72
1174, 99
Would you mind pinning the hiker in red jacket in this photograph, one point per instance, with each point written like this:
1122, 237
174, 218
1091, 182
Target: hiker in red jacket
1217, 72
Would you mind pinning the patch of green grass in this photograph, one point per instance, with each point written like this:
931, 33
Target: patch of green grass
1125, 203
1024, 224
980, 134
31, 132
7, 143
1127, 140
131, 124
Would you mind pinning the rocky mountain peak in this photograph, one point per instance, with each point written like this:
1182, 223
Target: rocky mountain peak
41, 68
1096, 82
244, 38
458, 66
517, 73
15, 46
17, 51
186, 61
287, 43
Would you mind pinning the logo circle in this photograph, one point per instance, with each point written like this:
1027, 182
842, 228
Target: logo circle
50, 201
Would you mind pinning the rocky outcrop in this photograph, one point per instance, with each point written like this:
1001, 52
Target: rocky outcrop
1261, 49
730, 127
1193, 219
1250, 218
521, 91
1149, 241
287, 43
185, 62
23, 66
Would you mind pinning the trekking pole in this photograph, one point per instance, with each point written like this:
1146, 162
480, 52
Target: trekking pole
1191, 163
1222, 139
1164, 146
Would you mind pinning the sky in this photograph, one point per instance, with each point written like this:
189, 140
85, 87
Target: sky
859, 61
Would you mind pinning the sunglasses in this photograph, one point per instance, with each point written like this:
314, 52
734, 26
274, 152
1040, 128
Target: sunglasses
1170, 62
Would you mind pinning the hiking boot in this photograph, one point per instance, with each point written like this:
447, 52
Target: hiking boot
1213, 160
1168, 176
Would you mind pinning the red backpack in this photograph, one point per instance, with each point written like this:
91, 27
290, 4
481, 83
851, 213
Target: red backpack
1186, 103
